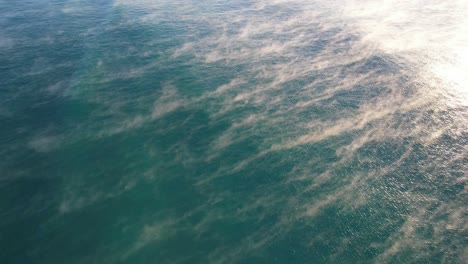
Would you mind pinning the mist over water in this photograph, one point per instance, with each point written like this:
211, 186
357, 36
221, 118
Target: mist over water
285, 131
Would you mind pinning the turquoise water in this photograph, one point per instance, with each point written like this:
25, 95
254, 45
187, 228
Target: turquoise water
233, 132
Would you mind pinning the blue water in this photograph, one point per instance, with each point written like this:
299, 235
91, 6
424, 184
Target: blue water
227, 132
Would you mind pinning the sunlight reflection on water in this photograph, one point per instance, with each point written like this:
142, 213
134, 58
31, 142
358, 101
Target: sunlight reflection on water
431, 35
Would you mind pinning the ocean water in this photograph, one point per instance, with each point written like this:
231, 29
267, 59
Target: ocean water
244, 131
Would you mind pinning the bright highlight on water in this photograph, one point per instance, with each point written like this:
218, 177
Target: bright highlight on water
284, 131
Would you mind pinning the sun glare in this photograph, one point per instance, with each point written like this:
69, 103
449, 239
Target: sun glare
454, 75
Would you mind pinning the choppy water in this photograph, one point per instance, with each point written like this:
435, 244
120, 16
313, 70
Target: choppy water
251, 131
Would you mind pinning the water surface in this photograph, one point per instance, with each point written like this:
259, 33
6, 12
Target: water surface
283, 131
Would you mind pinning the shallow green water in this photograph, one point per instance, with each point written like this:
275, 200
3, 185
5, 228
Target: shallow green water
240, 132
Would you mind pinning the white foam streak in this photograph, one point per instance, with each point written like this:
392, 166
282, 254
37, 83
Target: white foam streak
400, 39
